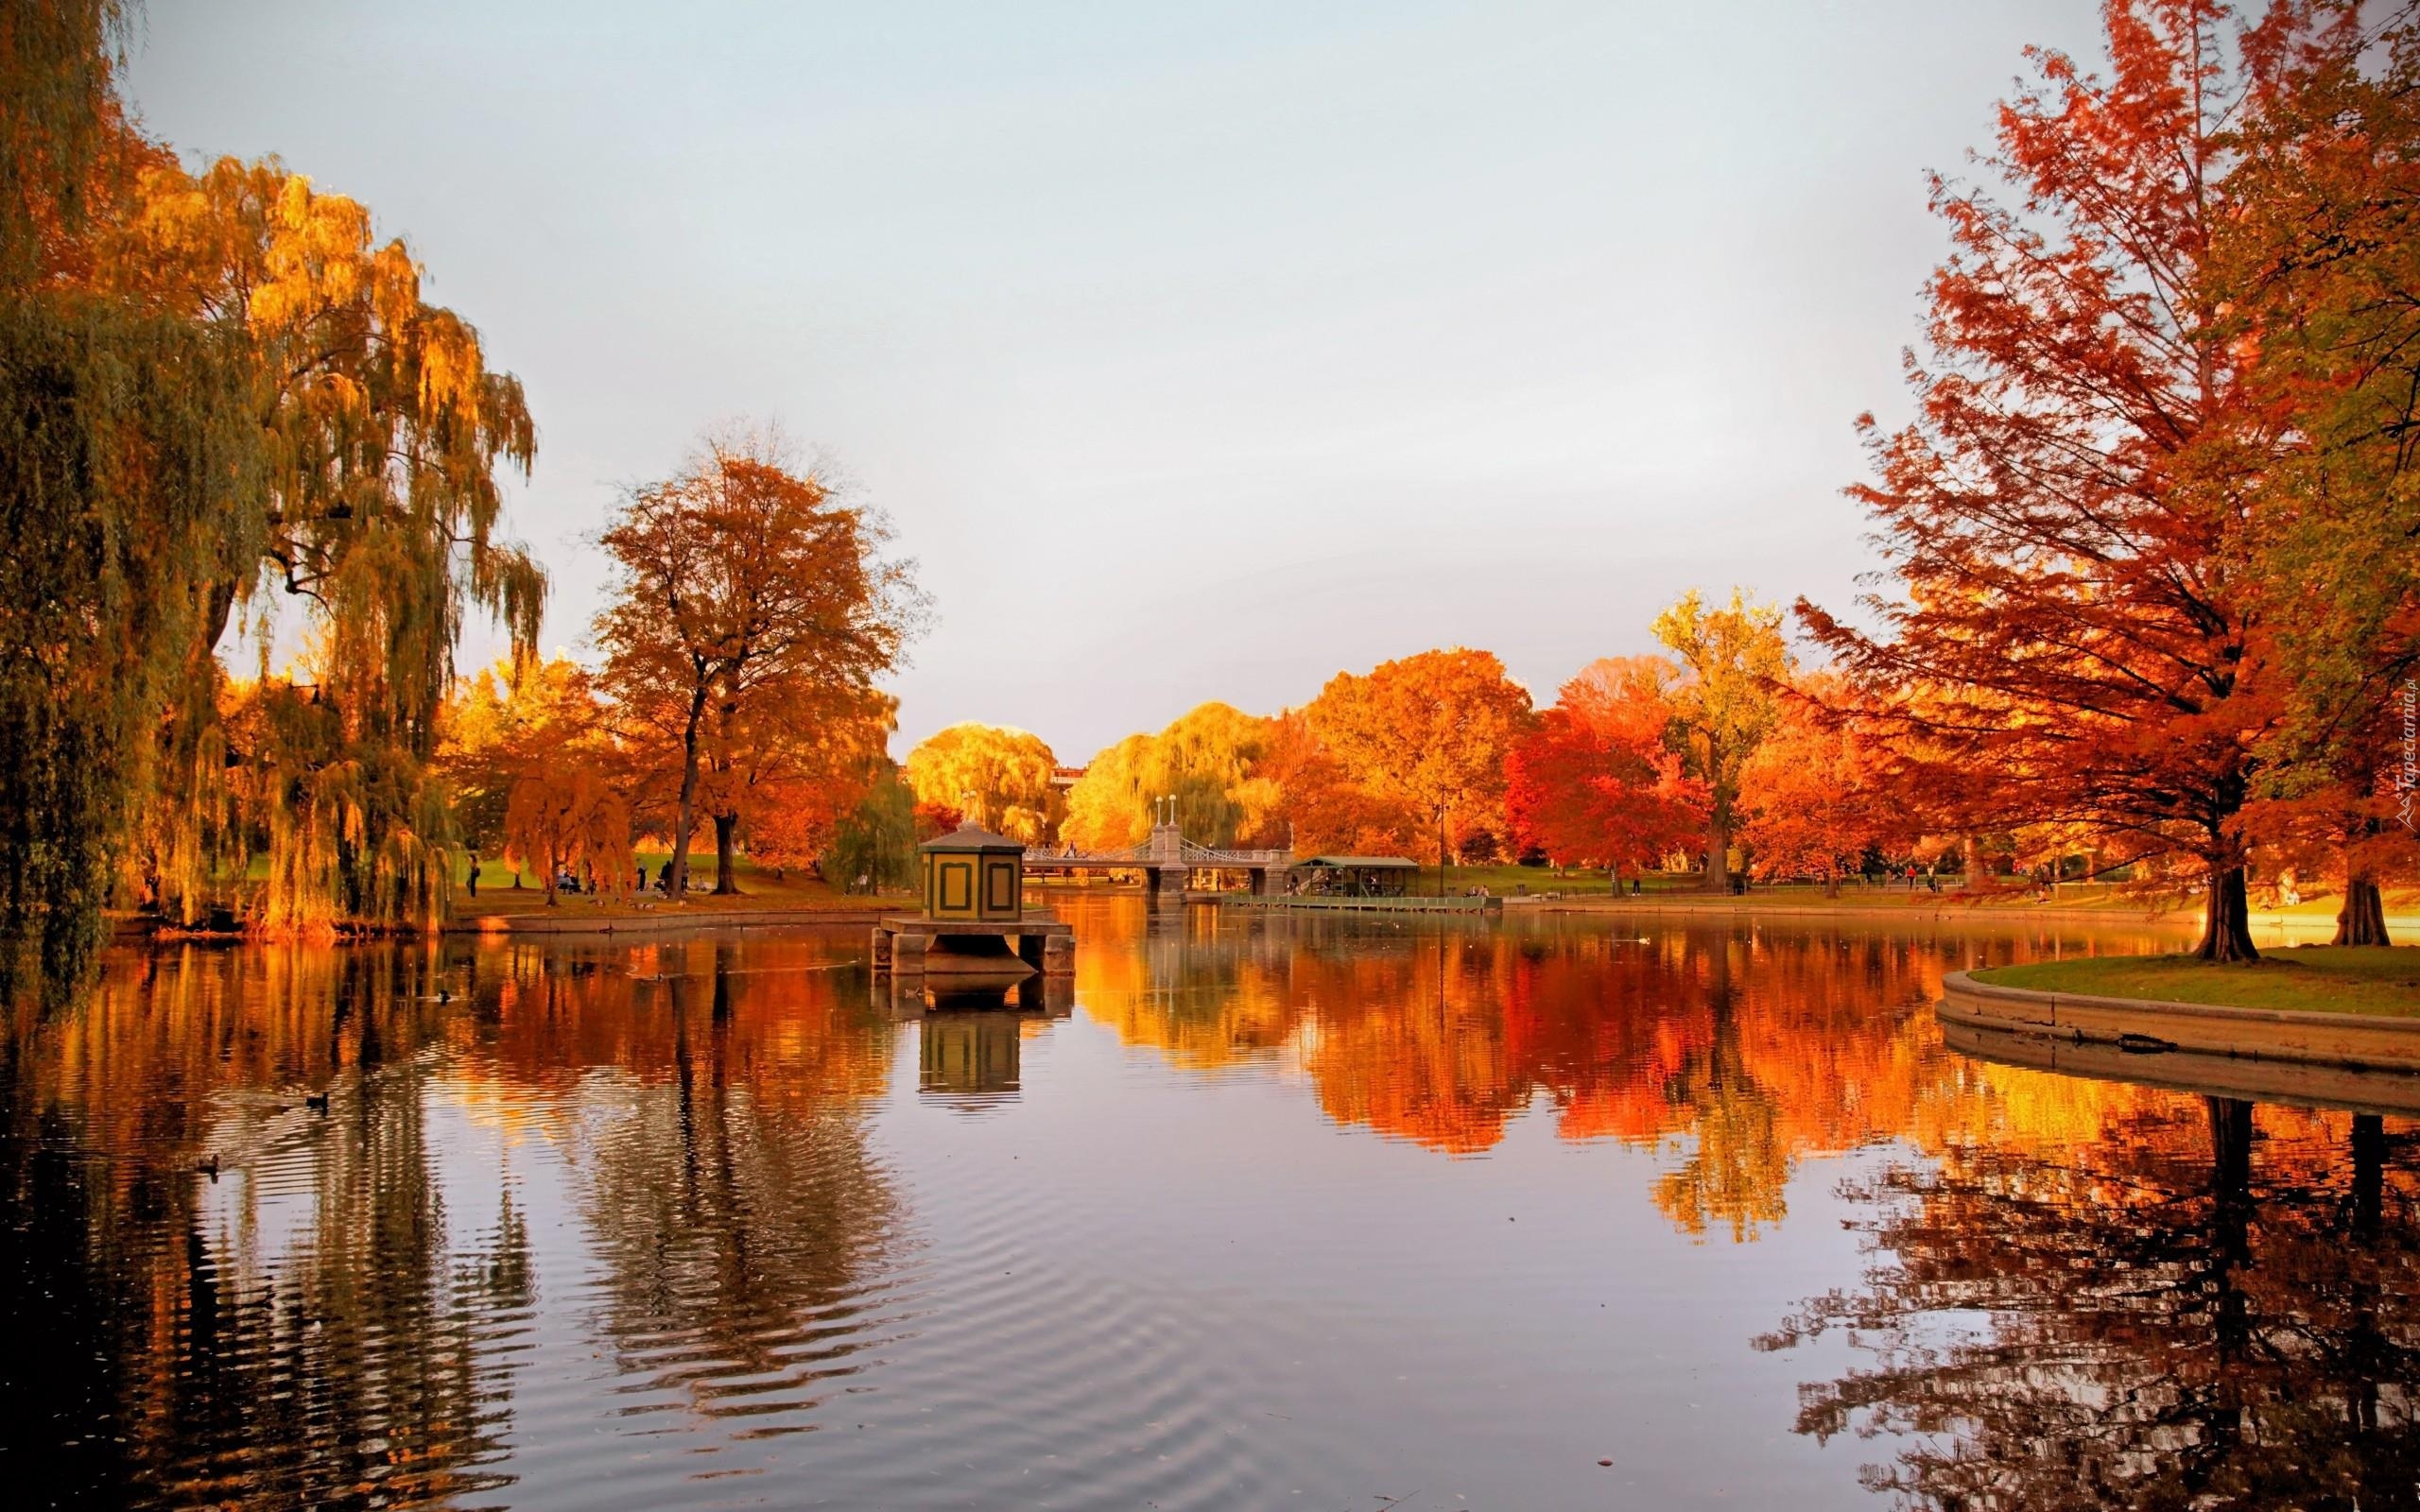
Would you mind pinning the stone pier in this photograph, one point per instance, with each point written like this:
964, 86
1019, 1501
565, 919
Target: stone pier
1003, 950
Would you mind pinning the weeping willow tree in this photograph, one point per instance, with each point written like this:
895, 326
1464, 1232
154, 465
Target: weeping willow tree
127, 462
569, 819
380, 431
876, 840
221, 397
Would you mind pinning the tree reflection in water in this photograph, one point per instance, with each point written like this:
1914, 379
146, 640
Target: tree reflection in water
316, 1324
726, 1180
2078, 1292
194, 1341
2201, 1305
1736, 1052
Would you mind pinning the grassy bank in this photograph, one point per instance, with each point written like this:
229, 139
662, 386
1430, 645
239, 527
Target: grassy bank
2309, 978
2309, 918
1511, 881
761, 889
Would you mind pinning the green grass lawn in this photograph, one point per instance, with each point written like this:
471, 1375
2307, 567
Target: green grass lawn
1511, 881
760, 887
2322, 978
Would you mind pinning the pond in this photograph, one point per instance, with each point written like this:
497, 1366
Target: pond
1582, 1209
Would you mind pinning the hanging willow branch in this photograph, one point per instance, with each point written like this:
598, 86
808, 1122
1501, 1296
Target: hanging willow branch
216, 393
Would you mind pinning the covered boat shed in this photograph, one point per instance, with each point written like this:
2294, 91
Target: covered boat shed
1353, 876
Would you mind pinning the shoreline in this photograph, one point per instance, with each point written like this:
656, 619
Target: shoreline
2144, 1025
2295, 1083
662, 919
1945, 910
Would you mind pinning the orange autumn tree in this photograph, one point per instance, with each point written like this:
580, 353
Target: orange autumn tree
743, 588
1319, 808
2060, 515
1598, 781
1428, 732
543, 757
505, 724
1816, 795
565, 817
783, 775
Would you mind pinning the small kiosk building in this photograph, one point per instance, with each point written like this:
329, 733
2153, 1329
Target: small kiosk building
973, 873
974, 926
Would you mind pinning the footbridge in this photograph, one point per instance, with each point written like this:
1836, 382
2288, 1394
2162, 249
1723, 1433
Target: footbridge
1167, 860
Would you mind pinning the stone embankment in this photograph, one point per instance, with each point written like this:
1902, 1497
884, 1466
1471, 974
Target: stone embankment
2367, 1040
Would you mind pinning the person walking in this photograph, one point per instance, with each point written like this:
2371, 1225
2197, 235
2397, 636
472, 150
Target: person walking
475, 876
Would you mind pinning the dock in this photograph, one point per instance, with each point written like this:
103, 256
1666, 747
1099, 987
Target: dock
1309, 902
991, 950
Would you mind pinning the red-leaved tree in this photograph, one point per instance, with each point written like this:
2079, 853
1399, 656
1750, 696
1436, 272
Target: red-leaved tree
1598, 781
2070, 640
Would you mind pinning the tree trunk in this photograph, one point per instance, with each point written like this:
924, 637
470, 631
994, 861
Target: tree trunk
685, 823
726, 841
2226, 918
1718, 850
1970, 860
1832, 883
2362, 920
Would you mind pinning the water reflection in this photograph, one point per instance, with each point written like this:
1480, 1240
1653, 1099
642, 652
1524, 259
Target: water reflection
2196, 1303
1735, 1050
227, 1195
154, 1355
971, 1058
604, 1223
727, 1187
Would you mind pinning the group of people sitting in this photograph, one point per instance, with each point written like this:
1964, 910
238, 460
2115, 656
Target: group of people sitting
568, 879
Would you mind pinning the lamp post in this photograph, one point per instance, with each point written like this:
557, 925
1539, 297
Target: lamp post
1441, 851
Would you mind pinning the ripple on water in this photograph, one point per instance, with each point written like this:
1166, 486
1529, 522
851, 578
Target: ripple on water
579, 1238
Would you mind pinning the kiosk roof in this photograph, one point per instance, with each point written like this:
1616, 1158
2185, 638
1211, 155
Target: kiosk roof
967, 837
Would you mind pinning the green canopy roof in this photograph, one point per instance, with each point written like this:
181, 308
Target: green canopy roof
967, 837
1362, 863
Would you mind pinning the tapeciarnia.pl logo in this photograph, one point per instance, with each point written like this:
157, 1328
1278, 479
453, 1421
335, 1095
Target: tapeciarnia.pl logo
2407, 777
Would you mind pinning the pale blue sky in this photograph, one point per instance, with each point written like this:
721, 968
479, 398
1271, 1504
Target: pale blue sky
1197, 352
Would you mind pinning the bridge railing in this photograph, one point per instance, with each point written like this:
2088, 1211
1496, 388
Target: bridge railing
1192, 855
1202, 855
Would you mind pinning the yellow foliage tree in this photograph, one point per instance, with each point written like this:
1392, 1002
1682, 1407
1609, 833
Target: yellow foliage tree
1210, 760
1107, 809
996, 776
1736, 665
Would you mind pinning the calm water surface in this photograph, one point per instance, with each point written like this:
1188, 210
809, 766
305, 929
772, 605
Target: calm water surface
1267, 1211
